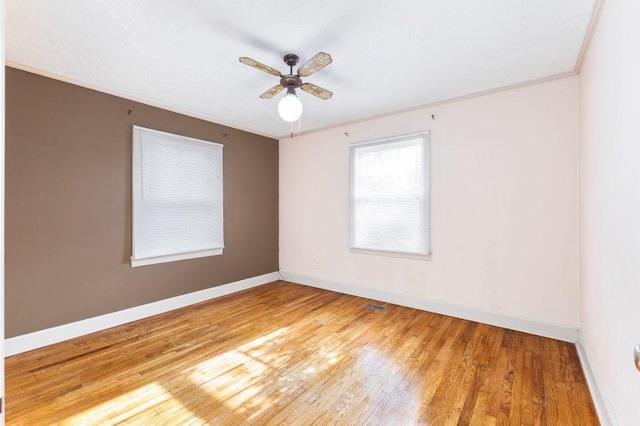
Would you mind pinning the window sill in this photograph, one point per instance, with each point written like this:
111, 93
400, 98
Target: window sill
398, 254
175, 257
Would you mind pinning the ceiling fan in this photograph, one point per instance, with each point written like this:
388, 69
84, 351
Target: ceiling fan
290, 108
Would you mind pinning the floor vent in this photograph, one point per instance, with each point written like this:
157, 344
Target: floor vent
376, 307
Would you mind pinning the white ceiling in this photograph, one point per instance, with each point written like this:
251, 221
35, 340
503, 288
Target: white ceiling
387, 55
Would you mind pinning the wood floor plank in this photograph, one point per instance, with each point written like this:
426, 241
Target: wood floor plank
283, 353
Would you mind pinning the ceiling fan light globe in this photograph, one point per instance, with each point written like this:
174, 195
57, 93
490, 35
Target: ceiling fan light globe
290, 107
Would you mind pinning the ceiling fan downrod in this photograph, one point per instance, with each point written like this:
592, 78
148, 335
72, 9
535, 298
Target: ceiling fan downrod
291, 79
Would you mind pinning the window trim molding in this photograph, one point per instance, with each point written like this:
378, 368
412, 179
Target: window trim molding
426, 136
175, 257
390, 253
143, 261
173, 135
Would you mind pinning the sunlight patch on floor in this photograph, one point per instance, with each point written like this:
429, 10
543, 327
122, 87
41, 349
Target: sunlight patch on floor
241, 379
125, 406
231, 377
225, 377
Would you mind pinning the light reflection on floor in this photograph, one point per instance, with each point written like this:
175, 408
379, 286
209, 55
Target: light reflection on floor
243, 379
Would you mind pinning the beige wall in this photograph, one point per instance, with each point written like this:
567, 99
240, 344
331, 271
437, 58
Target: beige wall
68, 205
610, 204
504, 204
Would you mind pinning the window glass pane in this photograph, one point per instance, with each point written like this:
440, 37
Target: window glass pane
177, 195
389, 196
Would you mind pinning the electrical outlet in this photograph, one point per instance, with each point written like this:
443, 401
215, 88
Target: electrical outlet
317, 265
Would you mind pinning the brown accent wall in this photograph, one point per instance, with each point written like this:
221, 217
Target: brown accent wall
68, 205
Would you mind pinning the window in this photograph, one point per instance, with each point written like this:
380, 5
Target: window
177, 198
390, 195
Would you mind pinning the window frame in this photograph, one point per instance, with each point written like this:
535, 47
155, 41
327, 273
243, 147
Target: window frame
353, 247
136, 167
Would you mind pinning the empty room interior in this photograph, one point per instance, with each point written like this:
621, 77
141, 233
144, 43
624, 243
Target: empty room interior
364, 212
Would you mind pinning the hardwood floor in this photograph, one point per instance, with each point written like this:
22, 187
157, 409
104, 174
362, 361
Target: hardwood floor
289, 354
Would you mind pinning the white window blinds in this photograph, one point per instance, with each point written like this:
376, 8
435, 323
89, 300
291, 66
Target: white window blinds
177, 197
389, 195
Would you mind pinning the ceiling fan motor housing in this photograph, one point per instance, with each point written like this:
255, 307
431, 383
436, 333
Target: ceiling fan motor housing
291, 80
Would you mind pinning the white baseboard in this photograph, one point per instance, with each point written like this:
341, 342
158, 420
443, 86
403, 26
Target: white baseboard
540, 328
38, 339
600, 400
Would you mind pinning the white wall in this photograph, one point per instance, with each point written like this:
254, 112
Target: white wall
504, 204
610, 204
2, 212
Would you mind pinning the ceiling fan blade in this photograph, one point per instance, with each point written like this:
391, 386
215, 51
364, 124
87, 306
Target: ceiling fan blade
272, 92
316, 91
260, 66
314, 64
